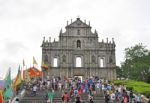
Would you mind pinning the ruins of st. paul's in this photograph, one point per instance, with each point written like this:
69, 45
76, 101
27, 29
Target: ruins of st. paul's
79, 53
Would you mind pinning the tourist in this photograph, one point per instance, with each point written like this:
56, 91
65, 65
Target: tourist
50, 96
112, 97
44, 84
34, 89
107, 96
59, 86
78, 99
91, 99
131, 97
103, 90
41, 85
79, 91
117, 94
97, 87
86, 88
125, 99
65, 97
75, 92
138, 98
93, 89
48, 84
71, 93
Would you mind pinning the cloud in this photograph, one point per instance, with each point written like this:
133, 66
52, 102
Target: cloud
5, 64
12, 48
10, 55
23, 24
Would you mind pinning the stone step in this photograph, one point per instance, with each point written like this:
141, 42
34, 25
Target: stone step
32, 101
82, 98
40, 98
85, 99
59, 100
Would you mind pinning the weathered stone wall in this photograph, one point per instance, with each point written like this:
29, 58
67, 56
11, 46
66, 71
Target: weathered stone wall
68, 72
90, 50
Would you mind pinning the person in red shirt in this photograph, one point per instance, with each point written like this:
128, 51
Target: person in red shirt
79, 91
65, 98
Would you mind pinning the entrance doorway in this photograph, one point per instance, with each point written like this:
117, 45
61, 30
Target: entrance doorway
79, 77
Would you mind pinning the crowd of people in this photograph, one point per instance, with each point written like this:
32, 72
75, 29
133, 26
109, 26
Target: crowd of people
73, 88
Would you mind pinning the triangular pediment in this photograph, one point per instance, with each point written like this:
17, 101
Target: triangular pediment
78, 23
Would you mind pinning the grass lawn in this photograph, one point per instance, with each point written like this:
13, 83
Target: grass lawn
137, 86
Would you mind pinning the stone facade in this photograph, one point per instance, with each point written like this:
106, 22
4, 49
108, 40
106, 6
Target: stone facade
79, 44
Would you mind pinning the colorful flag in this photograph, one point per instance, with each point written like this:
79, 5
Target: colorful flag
44, 65
7, 92
1, 97
34, 61
7, 78
18, 78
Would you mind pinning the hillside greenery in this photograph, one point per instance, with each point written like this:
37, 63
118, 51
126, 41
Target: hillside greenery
136, 86
136, 64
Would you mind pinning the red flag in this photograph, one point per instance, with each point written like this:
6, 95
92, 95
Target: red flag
1, 97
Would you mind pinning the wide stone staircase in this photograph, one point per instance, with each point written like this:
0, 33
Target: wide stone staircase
40, 98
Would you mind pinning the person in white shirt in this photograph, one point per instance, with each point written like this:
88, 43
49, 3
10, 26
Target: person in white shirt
48, 84
97, 87
112, 97
34, 90
120, 89
59, 86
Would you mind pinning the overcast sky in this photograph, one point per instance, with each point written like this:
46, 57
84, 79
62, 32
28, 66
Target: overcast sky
23, 23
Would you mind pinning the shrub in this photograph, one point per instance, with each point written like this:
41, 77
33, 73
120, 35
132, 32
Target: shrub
136, 86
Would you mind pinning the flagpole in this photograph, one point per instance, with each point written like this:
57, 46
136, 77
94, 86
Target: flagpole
34, 62
21, 72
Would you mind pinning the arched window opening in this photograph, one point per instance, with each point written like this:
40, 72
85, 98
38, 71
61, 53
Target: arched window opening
55, 62
101, 62
78, 44
78, 62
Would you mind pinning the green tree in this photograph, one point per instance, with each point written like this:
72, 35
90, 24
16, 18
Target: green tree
119, 72
137, 63
135, 52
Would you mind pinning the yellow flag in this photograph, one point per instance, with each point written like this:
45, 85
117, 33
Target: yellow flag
44, 65
34, 61
1, 97
18, 78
